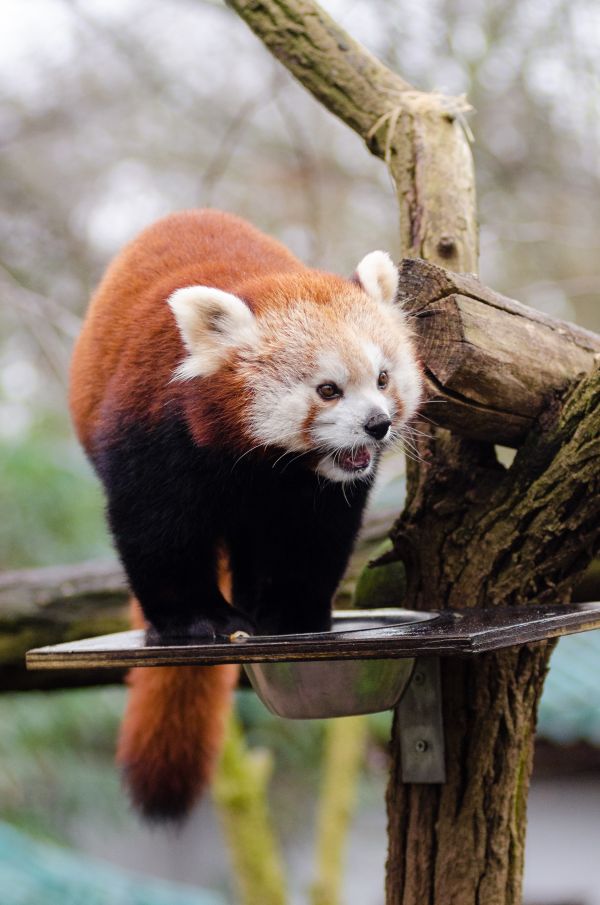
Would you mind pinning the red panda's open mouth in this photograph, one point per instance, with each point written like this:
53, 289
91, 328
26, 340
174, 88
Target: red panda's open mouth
357, 459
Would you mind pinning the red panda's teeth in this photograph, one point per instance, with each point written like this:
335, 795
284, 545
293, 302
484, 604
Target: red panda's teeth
355, 460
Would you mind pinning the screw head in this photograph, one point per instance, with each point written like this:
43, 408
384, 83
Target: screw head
421, 746
419, 678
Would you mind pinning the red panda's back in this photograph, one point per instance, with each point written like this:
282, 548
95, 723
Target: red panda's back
129, 344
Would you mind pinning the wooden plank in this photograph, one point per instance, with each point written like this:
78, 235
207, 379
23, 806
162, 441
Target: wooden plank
59, 591
491, 364
53, 604
448, 633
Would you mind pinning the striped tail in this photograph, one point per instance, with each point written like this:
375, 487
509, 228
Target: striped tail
172, 733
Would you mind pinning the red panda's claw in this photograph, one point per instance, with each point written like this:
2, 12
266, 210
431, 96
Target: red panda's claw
238, 637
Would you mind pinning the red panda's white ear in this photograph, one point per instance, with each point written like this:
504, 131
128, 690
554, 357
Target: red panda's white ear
378, 275
211, 323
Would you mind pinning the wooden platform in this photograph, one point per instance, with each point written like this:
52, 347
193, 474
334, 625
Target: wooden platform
397, 634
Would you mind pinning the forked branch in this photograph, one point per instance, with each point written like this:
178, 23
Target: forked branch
405, 127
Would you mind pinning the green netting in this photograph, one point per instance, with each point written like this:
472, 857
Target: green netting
37, 873
570, 705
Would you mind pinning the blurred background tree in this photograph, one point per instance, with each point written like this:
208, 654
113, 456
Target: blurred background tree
114, 112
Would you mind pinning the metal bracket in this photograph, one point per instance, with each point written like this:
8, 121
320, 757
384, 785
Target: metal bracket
421, 728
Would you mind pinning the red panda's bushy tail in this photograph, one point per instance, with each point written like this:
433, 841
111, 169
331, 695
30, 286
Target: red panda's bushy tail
171, 734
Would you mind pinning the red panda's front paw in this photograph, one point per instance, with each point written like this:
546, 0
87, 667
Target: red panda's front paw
234, 623
201, 629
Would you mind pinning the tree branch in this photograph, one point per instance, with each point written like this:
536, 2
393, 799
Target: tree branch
59, 603
491, 365
420, 136
508, 536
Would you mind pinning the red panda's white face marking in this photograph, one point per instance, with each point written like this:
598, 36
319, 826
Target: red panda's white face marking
340, 379
334, 378
372, 388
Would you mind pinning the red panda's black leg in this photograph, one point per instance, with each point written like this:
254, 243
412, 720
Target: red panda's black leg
288, 557
178, 592
177, 587
164, 502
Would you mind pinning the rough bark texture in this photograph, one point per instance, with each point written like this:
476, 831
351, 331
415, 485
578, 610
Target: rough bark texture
462, 842
491, 364
474, 534
420, 136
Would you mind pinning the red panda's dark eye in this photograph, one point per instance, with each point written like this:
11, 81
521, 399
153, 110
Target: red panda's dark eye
329, 391
383, 380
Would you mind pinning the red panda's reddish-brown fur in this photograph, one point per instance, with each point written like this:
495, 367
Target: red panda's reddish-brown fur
171, 734
173, 727
130, 303
188, 472
174, 721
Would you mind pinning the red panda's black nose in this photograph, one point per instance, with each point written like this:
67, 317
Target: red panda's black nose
378, 425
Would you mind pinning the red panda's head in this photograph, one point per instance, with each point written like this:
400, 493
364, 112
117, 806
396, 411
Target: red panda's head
312, 363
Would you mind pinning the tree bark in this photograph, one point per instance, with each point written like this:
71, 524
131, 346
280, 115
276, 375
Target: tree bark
475, 534
422, 137
491, 365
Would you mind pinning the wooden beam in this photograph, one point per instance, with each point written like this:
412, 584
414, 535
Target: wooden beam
63, 593
50, 605
491, 364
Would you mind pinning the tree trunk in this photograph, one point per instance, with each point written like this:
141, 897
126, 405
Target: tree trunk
475, 534
462, 843
472, 535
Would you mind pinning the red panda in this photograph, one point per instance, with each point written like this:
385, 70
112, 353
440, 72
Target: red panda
232, 401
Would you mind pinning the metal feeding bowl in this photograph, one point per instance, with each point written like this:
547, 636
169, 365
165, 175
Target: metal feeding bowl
318, 689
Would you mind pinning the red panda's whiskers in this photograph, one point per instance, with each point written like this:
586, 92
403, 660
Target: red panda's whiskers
344, 494
295, 458
410, 451
285, 453
413, 430
400, 439
247, 452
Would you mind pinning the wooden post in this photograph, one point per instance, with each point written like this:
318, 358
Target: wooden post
420, 136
